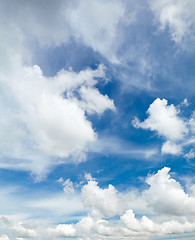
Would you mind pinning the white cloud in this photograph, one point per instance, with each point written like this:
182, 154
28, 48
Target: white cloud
61, 230
53, 24
168, 210
89, 227
178, 16
94, 102
43, 117
88, 177
190, 154
95, 23
67, 186
147, 227
102, 201
22, 231
162, 187
165, 120
171, 148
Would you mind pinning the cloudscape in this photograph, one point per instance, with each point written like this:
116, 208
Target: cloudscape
97, 119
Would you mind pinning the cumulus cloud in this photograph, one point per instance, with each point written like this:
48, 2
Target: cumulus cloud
165, 120
61, 230
147, 227
22, 231
45, 117
178, 16
162, 187
101, 201
168, 210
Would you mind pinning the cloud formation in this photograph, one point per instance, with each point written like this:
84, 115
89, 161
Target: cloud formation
45, 116
175, 215
178, 16
165, 120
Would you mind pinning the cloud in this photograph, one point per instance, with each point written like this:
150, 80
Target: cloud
165, 120
62, 230
161, 209
22, 231
147, 227
94, 102
178, 16
45, 117
163, 186
95, 23
38, 18
102, 201
107, 144
67, 186
171, 148
190, 155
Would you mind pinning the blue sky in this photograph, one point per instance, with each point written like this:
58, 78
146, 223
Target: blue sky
97, 119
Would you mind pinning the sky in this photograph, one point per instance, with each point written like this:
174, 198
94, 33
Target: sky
97, 119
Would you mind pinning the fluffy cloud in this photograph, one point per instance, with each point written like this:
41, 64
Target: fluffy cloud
45, 117
165, 120
172, 148
169, 210
177, 15
163, 186
22, 231
62, 230
90, 227
147, 227
101, 201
